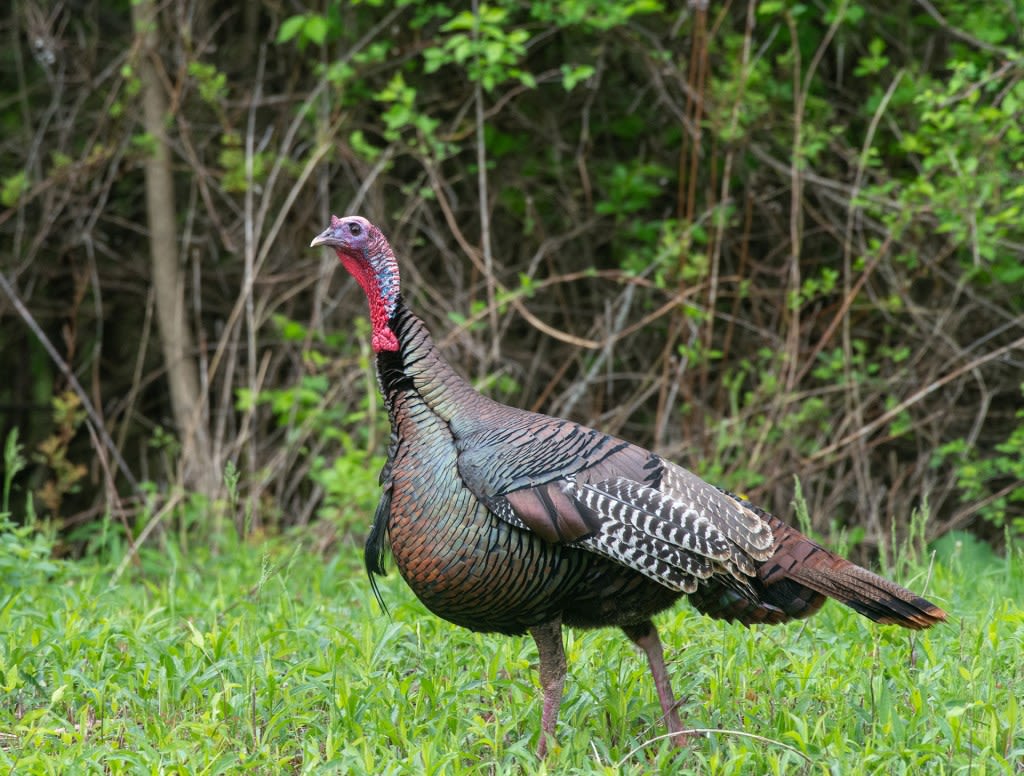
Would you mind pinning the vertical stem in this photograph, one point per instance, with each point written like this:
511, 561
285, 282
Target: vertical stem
726, 193
249, 278
485, 215
689, 158
197, 468
795, 214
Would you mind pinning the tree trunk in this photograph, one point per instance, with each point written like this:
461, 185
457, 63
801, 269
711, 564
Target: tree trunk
196, 465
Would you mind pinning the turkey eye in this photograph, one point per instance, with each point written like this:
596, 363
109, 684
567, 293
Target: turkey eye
355, 229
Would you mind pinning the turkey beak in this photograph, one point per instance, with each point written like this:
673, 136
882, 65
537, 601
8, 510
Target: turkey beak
326, 237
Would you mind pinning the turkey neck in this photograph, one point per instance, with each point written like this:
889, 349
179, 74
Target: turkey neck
418, 368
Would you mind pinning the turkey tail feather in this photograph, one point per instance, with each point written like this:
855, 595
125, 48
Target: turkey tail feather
795, 581
799, 560
869, 594
373, 554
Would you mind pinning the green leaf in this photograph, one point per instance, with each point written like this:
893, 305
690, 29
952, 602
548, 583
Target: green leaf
290, 27
316, 29
573, 74
13, 188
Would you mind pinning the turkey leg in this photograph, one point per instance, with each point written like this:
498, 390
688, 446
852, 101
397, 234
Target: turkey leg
645, 636
552, 678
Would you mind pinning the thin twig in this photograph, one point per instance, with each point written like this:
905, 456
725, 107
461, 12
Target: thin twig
956, 32
911, 400
140, 540
69, 375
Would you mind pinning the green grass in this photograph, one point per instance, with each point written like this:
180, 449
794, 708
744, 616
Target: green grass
266, 658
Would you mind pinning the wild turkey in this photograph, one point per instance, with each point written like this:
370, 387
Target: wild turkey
509, 521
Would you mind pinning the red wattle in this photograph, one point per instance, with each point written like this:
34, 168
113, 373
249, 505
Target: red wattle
382, 337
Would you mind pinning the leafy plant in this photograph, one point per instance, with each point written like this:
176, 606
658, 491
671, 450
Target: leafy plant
26, 550
52, 452
14, 463
995, 480
333, 439
483, 44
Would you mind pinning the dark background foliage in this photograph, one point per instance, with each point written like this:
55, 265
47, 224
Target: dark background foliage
767, 239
